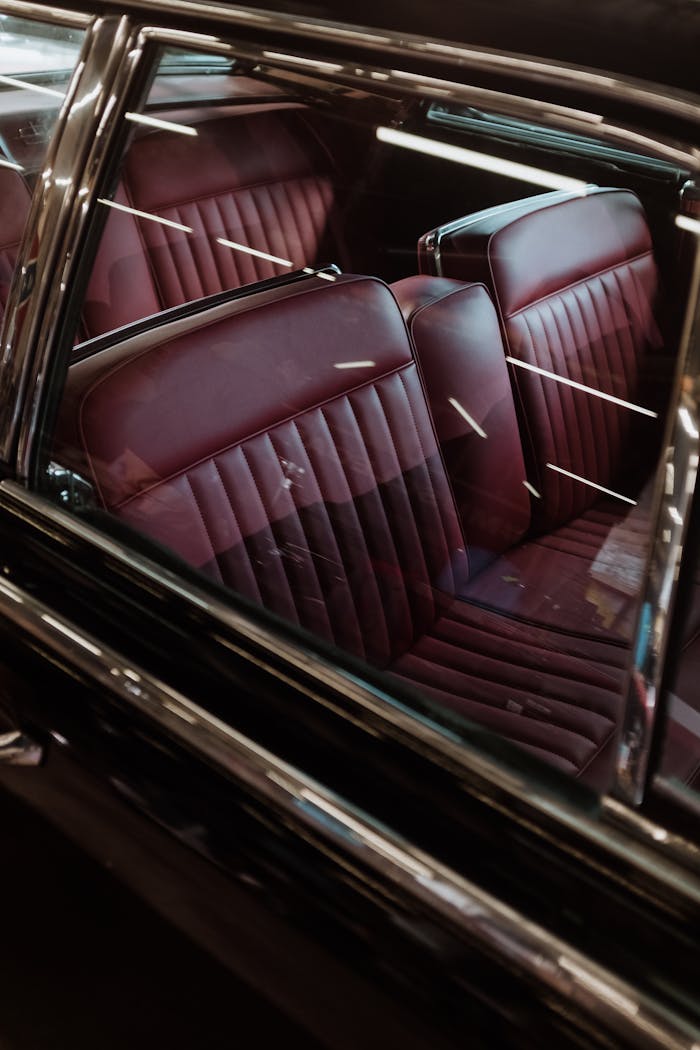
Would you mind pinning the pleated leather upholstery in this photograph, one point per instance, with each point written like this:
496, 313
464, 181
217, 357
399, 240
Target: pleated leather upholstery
317, 491
575, 282
596, 333
556, 695
259, 179
282, 444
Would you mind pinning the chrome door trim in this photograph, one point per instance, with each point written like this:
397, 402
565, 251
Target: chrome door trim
58, 215
618, 831
18, 749
476, 915
46, 13
658, 97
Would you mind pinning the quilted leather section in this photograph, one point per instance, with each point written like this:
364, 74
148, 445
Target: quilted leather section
286, 219
260, 180
555, 695
596, 333
339, 520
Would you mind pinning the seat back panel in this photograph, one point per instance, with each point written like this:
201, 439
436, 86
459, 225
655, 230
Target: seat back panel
258, 178
242, 446
575, 283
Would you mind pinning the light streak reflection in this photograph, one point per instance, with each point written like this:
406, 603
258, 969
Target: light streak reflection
581, 386
145, 215
253, 251
485, 161
592, 484
465, 415
164, 125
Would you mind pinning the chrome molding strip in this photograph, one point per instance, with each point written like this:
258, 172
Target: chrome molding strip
549, 73
480, 918
405, 82
58, 215
432, 241
675, 488
661, 855
45, 13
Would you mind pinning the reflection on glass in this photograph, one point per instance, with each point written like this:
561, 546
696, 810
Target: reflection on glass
312, 447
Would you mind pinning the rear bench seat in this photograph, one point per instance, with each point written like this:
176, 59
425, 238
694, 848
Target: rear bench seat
320, 493
257, 176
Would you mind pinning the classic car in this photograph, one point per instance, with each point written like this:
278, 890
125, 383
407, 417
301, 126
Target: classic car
349, 434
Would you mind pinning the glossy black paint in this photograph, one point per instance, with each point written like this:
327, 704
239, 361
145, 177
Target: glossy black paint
121, 784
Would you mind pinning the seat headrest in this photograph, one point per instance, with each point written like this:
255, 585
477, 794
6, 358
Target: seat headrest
544, 250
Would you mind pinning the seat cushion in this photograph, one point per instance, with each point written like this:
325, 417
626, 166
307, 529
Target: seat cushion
556, 695
585, 577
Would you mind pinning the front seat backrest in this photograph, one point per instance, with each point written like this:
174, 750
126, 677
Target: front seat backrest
576, 286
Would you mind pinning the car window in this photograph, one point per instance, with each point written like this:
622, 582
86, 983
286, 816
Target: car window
37, 49
400, 384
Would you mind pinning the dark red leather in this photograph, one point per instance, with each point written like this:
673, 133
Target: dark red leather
556, 695
319, 492
314, 489
575, 283
260, 179
584, 577
14, 208
458, 345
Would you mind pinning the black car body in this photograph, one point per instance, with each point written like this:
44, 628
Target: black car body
382, 870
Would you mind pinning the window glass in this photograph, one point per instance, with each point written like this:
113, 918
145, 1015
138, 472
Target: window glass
37, 48
441, 465
36, 61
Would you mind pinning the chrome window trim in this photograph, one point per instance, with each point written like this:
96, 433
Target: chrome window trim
550, 73
472, 913
405, 82
46, 13
58, 215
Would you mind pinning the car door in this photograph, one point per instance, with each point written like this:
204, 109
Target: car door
382, 870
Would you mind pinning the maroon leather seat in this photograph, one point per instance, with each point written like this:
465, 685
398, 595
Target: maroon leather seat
282, 444
258, 177
575, 285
